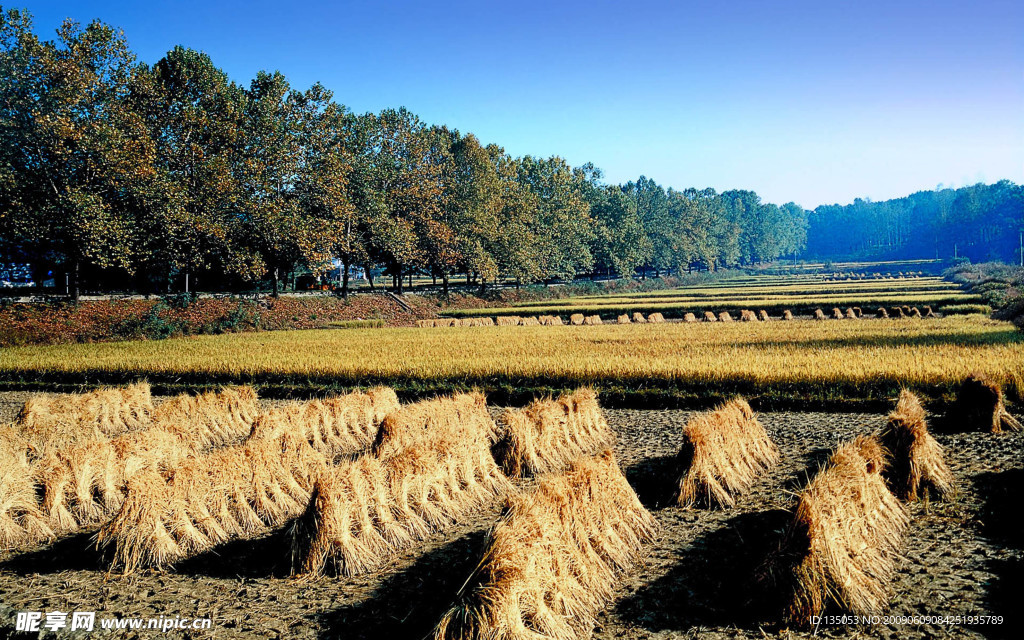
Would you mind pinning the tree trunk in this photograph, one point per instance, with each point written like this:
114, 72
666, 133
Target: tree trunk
398, 279
444, 284
344, 278
369, 276
76, 285
483, 287
276, 273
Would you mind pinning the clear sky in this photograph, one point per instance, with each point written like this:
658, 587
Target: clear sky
811, 101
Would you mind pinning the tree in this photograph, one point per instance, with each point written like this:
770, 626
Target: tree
74, 154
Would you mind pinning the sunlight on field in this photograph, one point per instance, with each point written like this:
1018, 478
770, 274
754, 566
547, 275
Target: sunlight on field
852, 352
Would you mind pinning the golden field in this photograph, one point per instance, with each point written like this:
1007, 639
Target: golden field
808, 360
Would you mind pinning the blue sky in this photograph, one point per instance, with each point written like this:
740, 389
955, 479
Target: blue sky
814, 102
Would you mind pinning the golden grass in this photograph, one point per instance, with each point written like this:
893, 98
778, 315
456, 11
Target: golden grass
365, 511
551, 563
723, 453
844, 539
623, 319
915, 461
924, 353
577, 319
21, 519
639, 317
211, 419
548, 435
56, 421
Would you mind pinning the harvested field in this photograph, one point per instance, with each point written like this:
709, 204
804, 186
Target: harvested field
962, 557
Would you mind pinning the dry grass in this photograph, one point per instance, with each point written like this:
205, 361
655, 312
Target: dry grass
724, 317
576, 319
787, 314
746, 315
836, 314
507, 321
548, 434
723, 453
763, 316
819, 315
916, 464
211, 419
592, 320
529, 321
881, 313
980, 406
709, 316
365, 511
21, 520
551, 321
655, 318
550, 565
58, 421
689, 317
335, 426
851, 314
844, 539
623, 319
639, 317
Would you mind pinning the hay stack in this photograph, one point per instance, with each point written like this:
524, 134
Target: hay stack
819, 314
486, 321
592, 320
336, 426
709, 316
548, 434
724, 317
551, 321
859, 312
365, 511
236, 492
746, 315
508, 321
550, 565
836, 313
851, 314
623, 319
21, 520
211, 419
576, 319
915, 312
979, 406
915, 458
51, 422
424, 421
881, 313
844, 539
787, 315
531, 321
897, 312
723, 452
689, 317
423, 324
928, 312
763, 316
656, 318
639, 317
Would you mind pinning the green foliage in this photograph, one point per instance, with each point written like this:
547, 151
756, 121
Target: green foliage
964, 309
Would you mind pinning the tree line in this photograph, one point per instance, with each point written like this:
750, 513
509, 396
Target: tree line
123, 174
979, 222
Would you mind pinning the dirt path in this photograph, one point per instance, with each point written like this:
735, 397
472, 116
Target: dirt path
962, 558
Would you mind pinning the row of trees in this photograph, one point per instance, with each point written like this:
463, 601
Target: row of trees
979, 222
111, 170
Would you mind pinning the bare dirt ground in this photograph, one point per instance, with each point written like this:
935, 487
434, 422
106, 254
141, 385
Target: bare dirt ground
964, 557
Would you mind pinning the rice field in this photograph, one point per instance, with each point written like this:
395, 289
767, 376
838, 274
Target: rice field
772, 293
800, 363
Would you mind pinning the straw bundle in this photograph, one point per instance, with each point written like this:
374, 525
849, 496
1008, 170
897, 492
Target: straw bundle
486, 321
881, 313
723, 452
928, 312
710, 317
851, 314
336, 426
236, 492
639, 317
211, 419
422, 324
724, 317
859, 312
550, 321
746, 315
58, 421
915, 312
592, 320
655, 317
837, 314
787, 315
365, 511
551, 563
844, 538
507, 321
915, 458
819, 314
531, 321
21, 520
689, 317
548, 434
463, 413
897, 312
623, 319
763, 316
576, 319
979, 406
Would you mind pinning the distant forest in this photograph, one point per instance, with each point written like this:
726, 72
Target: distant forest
979, 222
117, 175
